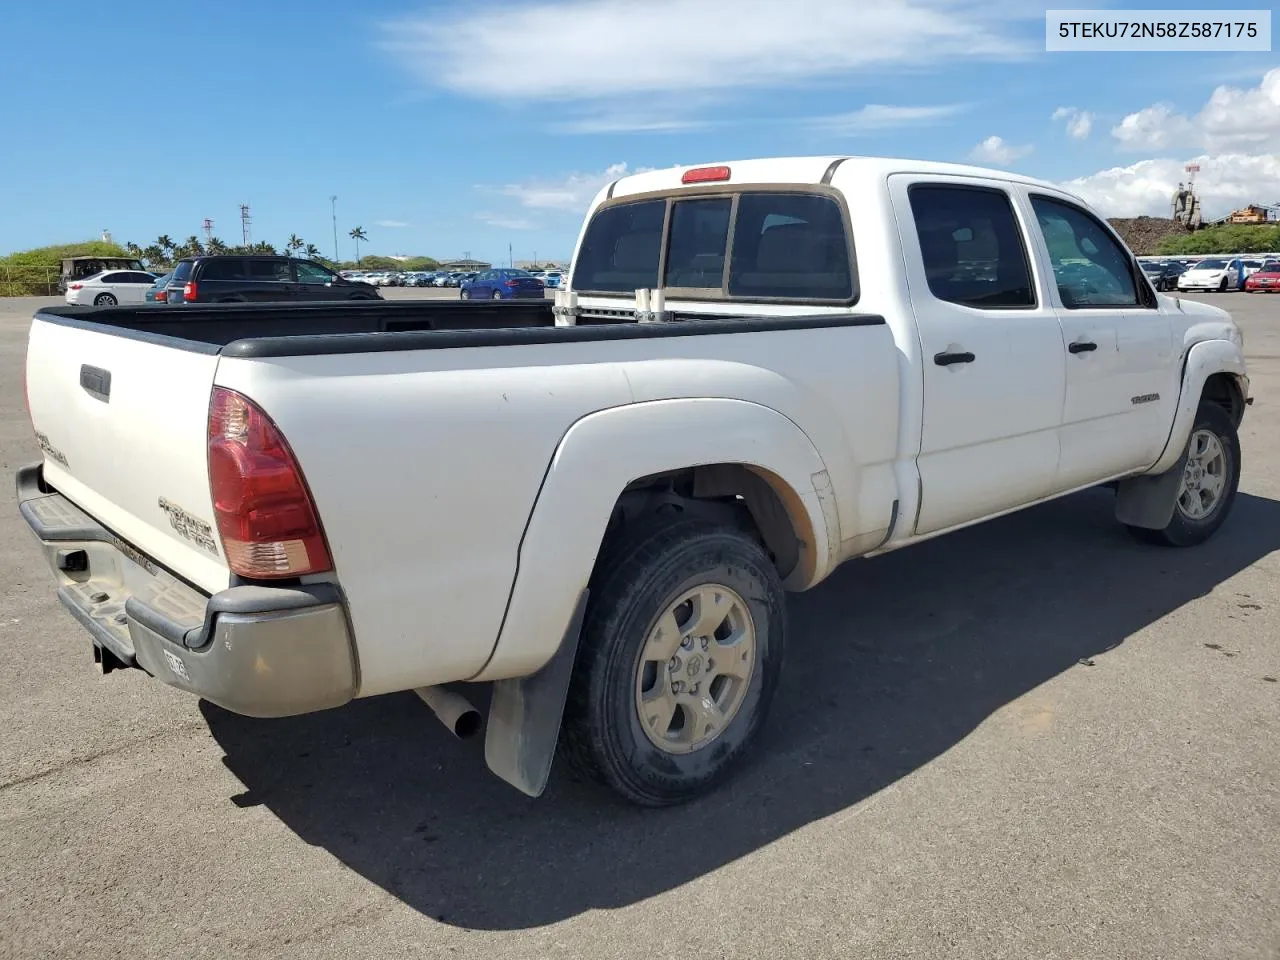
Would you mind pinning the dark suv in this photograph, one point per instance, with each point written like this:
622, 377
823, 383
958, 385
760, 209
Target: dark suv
258, 279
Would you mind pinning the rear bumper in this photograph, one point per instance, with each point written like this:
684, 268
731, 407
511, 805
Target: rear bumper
258, 651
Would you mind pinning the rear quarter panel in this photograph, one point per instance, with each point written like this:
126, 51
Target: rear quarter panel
425, 465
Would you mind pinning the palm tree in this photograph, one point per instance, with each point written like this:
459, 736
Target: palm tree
191, 247
134, 249
312, 251
154, 256
357, 235
294, 244
215, 247
165, 244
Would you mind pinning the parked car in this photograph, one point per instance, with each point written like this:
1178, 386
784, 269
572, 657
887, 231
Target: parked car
158, 292
1213, 274
1266, 279
82, 268
1163, 276
602, 512
110, 287
502, 284
551, 278
253, 279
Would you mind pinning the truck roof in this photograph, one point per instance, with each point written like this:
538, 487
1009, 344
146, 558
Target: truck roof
809, 170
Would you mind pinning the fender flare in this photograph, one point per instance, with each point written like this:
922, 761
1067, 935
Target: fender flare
594, 462
1204, 359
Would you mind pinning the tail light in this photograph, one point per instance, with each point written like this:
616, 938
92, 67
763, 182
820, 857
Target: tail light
265, 514
512, 283
189, 292
76, 286
26, 386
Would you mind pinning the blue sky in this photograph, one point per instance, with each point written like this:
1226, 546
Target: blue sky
448, 128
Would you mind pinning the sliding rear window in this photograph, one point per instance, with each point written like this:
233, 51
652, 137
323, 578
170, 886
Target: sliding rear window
776, 245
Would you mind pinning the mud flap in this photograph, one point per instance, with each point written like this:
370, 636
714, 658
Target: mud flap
525, 715
1148, 501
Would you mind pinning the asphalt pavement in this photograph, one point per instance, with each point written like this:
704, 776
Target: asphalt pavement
1031, 739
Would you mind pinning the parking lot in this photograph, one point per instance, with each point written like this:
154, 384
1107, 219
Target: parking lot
1031, 739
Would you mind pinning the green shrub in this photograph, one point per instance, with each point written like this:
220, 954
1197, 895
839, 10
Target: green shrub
1227, 238
34, 273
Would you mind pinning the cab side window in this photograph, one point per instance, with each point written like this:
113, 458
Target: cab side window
973, 250
1090, 268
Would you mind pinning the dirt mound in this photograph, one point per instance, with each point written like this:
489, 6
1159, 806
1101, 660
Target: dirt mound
1141, 234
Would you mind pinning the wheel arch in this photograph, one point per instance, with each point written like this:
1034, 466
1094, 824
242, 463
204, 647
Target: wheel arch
716, 455
1214, 370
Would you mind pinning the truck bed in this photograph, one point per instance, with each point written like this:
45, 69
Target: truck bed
308, 329
218, 324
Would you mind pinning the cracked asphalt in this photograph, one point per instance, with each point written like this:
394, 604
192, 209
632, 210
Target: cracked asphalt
1034, 738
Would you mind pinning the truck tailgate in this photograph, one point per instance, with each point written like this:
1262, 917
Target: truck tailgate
122, 423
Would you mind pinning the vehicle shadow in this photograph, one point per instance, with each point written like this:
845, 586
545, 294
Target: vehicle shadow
892, 662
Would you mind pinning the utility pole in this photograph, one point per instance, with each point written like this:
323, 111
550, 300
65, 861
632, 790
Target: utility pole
333, 212
510, 260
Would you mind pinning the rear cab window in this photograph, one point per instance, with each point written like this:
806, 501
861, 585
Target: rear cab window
749, 244
972, 247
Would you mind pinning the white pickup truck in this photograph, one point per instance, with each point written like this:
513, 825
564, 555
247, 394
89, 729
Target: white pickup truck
757, 371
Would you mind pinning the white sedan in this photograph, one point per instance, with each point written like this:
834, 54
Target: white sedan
111, 287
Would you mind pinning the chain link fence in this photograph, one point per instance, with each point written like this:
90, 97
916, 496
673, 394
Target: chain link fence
29, 281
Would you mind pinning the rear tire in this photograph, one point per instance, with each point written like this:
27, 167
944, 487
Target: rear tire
650, 712
1211, 478
105, 300
497, 295
465, 295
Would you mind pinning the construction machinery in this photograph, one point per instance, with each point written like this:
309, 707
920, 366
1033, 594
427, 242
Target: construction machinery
1186, 205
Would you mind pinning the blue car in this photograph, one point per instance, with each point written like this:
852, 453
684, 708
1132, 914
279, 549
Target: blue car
503, 284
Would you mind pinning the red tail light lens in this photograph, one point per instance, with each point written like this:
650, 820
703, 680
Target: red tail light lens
705, 175
265, 515
189, 292
513, 283
77, 286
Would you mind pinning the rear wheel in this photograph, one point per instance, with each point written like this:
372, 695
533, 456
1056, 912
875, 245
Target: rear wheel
680, 656
497, 295
105, 300
1210, 478
466, 294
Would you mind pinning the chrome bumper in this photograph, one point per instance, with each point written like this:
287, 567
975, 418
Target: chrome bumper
260, 651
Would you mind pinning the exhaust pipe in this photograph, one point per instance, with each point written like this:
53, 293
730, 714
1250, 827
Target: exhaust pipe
452, 709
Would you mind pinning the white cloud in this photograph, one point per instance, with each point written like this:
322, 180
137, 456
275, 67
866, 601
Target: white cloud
1224, 183
1079, 122
506, 223
875, 117
391, 224
627, 123
573, 192
995, 151
1233, 120
594, 50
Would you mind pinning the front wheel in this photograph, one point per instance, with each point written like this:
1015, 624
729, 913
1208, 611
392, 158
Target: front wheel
680, 655
104, 300
466, 294
1222, 287
1210, 479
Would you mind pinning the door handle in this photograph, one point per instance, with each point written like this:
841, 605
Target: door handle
1082, 346
947, 359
